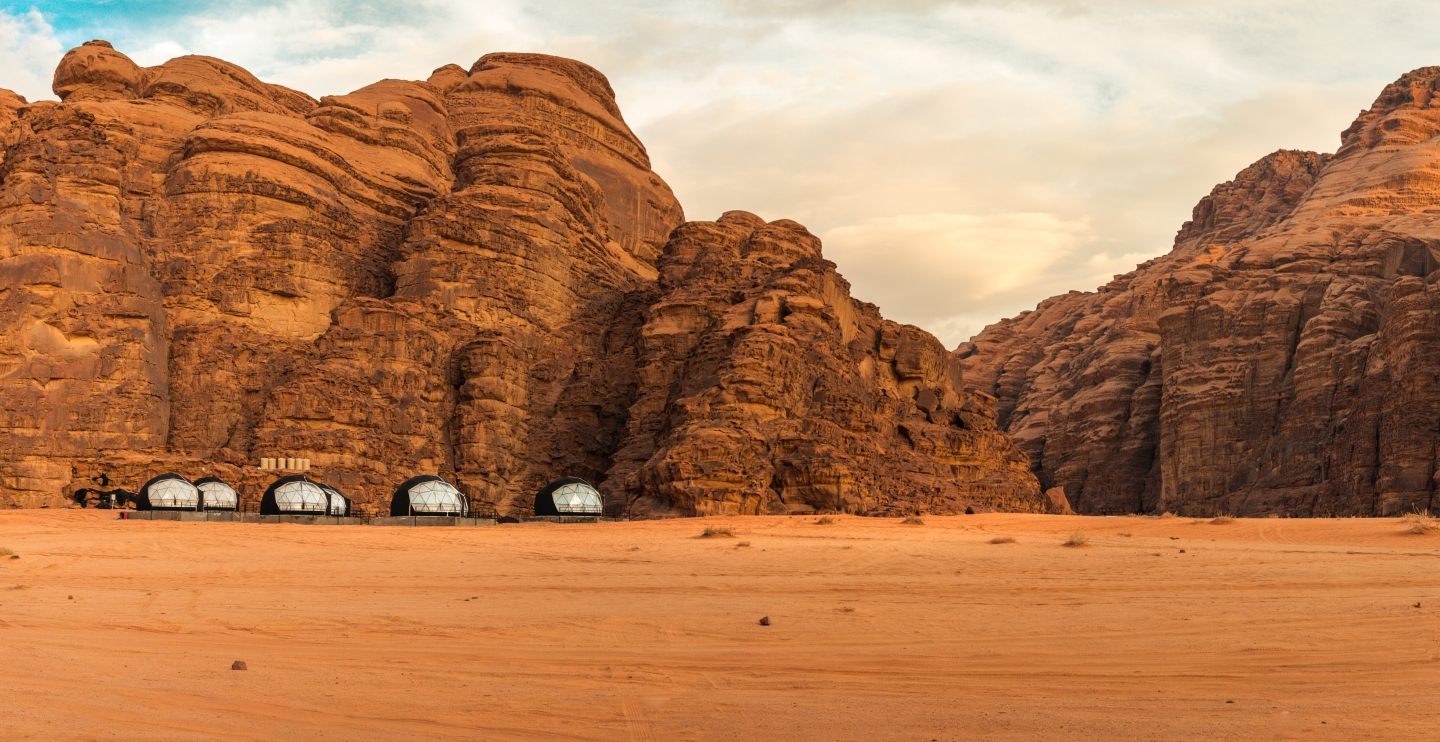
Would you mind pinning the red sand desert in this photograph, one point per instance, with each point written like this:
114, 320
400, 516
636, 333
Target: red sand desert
1158, 629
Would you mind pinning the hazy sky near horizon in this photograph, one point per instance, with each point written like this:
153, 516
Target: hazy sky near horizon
961, 160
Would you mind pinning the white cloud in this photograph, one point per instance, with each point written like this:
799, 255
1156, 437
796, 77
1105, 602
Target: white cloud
158, 53
28, 53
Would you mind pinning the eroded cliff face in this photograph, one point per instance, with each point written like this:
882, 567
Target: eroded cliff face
765, 388
1277, 360
453, 276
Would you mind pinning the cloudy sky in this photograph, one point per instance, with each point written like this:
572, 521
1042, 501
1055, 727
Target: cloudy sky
961, 160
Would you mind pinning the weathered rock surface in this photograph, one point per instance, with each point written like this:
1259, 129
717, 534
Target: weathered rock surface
766, 389
1280, 359
456, 276
1056, 503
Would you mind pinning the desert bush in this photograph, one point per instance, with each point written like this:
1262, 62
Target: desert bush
824, 521
717, 532
1127, 535
1003, 540
741, 544
913, 520
1078, 538
1221, 520
1419, 522
1167, 514
6, 552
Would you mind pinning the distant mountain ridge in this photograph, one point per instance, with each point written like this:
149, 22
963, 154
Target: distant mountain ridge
1282, 358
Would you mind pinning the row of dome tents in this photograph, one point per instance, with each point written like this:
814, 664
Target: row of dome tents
424, 495
174, 492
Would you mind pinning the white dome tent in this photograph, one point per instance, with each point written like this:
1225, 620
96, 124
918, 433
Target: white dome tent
215, 494
428, 495
298, 495
569, 496
168, 491
339, 504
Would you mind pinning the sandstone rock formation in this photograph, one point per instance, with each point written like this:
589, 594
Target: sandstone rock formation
458, 276
1056, 503
764, 388
1280, 359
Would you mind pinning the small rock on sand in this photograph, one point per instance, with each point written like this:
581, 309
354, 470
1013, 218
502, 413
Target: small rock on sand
239, 665
765, 621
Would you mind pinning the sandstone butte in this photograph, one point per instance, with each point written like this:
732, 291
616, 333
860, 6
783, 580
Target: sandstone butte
477, 275
1281, 359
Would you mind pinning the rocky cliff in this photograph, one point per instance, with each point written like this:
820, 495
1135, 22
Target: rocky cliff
476, 275
1280, 359
764, 388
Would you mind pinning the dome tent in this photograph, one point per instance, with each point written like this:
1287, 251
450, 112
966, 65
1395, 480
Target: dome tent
339, 503
298, 495
428, 494
168, 491
215, 494
569, 496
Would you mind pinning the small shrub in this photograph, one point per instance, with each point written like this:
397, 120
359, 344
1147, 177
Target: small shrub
1003, 540
717, 532
847, 609
913, 520
1078, 538
1221, 520
742, 544
1419, 523
6, 552
824, 521
1167, 514
1127, 535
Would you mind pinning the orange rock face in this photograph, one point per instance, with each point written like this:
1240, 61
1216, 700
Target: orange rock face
764, 388
1278, 360
455, 276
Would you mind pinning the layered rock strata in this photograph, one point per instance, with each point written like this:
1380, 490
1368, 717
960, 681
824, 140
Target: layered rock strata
765, 388
456, 276
1277, 360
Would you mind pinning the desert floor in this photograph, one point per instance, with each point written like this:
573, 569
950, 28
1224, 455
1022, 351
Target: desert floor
1158, 629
